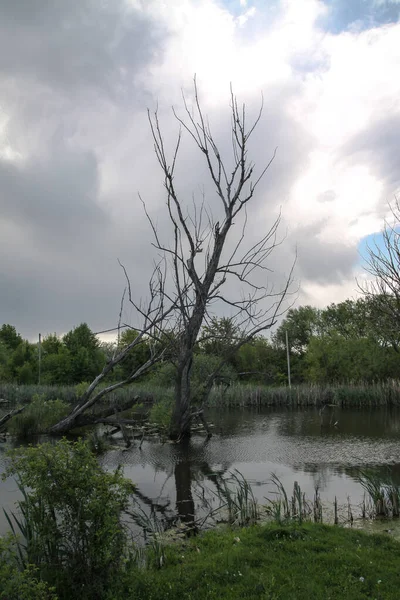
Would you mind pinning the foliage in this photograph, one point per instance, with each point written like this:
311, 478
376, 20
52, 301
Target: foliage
137, 356
86, 357
203, 367
9, 337
219, 336
72, 512
334, 359
38, 417
161, 411
17, 584
301, 324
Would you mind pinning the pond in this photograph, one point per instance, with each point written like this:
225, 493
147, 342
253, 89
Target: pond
176, 481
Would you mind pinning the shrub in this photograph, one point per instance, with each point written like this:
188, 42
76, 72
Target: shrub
16, 584
71, 518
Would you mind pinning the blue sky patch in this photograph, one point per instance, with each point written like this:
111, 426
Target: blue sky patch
360, 15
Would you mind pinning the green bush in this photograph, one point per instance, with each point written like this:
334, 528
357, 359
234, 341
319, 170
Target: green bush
71, 518
16, 584
38, 417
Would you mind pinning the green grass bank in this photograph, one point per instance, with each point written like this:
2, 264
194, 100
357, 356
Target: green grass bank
286, 562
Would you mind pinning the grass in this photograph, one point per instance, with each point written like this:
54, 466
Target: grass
286, 562
22, 394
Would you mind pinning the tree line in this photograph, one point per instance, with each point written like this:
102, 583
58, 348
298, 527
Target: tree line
345, 342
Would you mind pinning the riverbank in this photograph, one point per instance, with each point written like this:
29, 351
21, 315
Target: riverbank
269, 561
285, 562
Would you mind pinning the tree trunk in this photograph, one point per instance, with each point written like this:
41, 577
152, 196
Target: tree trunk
78, 419
10, 415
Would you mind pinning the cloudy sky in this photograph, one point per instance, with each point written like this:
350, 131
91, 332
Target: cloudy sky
76, 79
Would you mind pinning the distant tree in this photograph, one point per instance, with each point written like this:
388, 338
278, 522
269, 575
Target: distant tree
301, 324
139, 355
51, 344
22, 363
10, 337
57, 368
259, 361
334, 359
219, 337
85, 354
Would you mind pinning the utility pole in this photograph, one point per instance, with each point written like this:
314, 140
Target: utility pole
40, 356
288, 360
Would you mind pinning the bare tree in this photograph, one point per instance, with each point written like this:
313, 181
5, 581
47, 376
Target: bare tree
383, 290
154, 316
203, 263
208, 258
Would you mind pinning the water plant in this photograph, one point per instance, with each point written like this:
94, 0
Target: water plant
237, 500
384, 495
296, 508
37, 417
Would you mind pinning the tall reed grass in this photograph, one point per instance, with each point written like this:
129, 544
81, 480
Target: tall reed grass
359, 395
237, 395
383, 495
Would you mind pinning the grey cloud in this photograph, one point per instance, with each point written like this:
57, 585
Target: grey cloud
321, 262
377, 146
75, 44
55, 195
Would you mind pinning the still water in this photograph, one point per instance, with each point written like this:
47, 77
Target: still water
174, 480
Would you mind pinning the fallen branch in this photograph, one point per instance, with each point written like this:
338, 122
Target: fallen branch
10, 415
102, 416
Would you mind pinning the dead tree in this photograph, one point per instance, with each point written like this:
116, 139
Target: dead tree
206, 255
154, 316
383, 290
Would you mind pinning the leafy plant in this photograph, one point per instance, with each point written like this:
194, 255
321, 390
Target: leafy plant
70, 519
17, 584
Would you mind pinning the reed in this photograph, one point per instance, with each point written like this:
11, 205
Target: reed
296, 508
349, 395
237, 500
383, 496
236, 395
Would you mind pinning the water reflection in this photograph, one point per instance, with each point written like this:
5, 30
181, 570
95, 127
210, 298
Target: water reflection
179, 483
